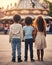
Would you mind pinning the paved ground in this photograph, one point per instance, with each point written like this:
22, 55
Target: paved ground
5, 53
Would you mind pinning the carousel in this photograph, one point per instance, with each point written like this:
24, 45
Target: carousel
25, 8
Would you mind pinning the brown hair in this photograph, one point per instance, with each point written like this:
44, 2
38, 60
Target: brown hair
28, 20
16, 18
40, 24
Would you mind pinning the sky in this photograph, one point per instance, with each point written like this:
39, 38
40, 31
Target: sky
4, 3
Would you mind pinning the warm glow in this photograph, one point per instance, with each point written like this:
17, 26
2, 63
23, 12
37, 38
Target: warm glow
50, 0
5, 3
41, 1
47, 0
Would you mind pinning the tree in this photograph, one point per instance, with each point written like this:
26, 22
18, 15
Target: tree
50, 4
50, 9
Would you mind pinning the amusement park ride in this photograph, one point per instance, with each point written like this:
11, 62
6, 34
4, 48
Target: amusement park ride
25, 8
28, 7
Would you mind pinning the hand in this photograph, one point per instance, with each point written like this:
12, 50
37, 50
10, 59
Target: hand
9, 41
22, 40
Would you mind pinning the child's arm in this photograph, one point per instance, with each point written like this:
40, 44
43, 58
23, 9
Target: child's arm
21, 33
45, 32
10, 35
34, 33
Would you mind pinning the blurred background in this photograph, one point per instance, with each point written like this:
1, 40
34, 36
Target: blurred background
32, 8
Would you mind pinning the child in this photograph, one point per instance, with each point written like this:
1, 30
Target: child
16, 35
28, 38
40, 42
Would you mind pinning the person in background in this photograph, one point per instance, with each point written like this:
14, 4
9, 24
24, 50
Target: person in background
28, 29
15, 37
40, 41
5, 29
48, 28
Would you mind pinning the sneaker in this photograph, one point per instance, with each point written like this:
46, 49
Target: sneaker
25, 60
19, 60
32, 60
13, 60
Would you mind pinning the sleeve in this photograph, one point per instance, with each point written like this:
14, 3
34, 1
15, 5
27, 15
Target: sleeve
21, 33
10, 34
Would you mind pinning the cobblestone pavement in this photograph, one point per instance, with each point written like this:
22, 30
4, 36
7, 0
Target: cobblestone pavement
5, 53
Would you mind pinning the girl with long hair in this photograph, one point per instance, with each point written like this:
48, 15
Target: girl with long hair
40, 41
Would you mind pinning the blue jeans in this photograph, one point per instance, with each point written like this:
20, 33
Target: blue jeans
16, 44
29, 42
